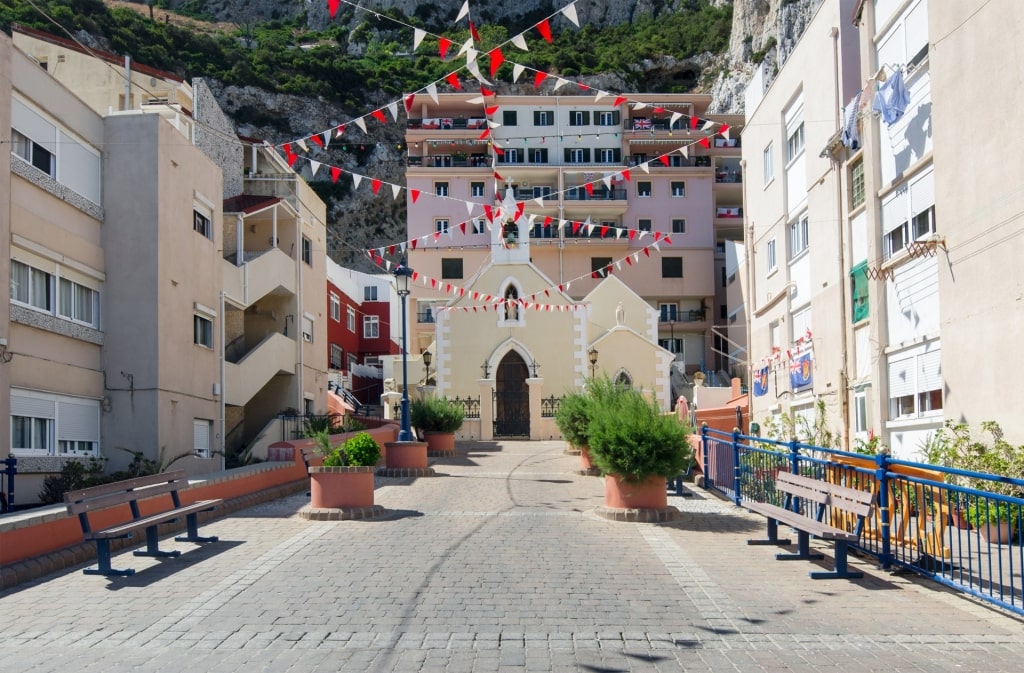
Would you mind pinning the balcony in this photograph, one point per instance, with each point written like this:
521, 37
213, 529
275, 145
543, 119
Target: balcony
580, 194
728, 212
447, 124
449, 161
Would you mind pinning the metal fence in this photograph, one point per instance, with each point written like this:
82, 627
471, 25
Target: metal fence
470, 405
549, 406
962, 529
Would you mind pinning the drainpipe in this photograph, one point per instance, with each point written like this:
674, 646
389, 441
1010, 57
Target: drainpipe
844, 392
223, 355
127, 83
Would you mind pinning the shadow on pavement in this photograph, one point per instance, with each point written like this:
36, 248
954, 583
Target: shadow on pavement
165, 567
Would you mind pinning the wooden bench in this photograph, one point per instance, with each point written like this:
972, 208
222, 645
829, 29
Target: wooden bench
87, 501
806, 502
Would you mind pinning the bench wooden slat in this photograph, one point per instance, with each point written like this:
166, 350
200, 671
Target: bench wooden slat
139, 524
91, 504
797, 520
126, 485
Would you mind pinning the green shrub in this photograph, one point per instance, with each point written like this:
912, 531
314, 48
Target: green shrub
573, 418
436, 415
362, 450
630, 437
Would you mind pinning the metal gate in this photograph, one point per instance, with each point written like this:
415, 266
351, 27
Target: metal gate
511, 398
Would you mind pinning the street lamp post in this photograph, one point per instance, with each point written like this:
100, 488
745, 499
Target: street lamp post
592, 353
427, 357
403, 274
672, 337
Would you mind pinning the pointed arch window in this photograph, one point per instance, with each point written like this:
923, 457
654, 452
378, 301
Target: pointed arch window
623, 380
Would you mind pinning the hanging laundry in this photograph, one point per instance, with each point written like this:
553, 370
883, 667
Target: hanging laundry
850, 136
892, 98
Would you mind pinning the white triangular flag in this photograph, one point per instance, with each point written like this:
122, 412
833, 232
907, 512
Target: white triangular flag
401, 247
393, 109
520, 42
479, 100
493, 124
607, 180
539, 201
707, 125
464, 11
675, 118
395, 191
646, 167
619, 232
643, 232
517, 70
356, 179
559, 83
561, 225
327, 139
570, 13
314, 166
432, 91
685, 151
302, 144
417, 37
467, 47
469, 207
387, 265
618, 264
636, 256
600, 95
361, 124
639, 106
474, 68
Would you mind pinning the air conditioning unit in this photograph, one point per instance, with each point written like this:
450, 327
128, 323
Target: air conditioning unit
524, 184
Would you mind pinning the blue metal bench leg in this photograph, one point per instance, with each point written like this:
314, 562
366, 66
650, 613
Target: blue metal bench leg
841, 570
192, 525
773, 535
803, 549
103, 562
153, 545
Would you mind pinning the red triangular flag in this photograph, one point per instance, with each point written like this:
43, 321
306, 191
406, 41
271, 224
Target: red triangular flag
500, 152
332, 6
593, 274
415, 194
544, 28
576, 227
489, 111
632, 234
629, 260
604, 230
723, 129
590, 188
547, 221
497, 58
443, 43
412, 243
486, 132
667, 240
376, 185
497, 176
619, 101
335, 173
433, 283
693, 122
339, 131
663, 159
287, 147
379, 116
647, 252
485, 92
625, 174
538, 78
453, 79
472, 31
520, 207
463, 227
657, 235
408, 102
391, 250
291, 159
705, 142
316, 139
488, 213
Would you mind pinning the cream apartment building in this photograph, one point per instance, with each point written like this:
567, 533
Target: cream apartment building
203, 262
563, 157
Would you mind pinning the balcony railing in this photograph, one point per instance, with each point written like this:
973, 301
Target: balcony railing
580, 194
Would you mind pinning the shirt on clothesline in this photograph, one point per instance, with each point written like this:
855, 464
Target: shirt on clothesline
850, 136
892, 98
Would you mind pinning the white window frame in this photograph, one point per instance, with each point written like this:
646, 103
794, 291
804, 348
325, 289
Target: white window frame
915, 404
81, 305
607, 155
799, 237
681, 191
441, 226
545, 118
30, 296
477, 189
336, 357
370, 293
202, 224
70, 425
795, 143
335, 307
371, 327
202, 331
479, 225
668, 311
308, 327
644, 189
350, 319
576, 156
25, 148
440, 189
679, 229
202, 437
307, 250
768, 161
771, 255
605, 118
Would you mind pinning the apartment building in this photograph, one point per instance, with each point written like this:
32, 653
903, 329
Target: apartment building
598, 180
898, 319
194, 287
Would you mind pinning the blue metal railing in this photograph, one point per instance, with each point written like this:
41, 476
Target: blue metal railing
960, 528
7, 493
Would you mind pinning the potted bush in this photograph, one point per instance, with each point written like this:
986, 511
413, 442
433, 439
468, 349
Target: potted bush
573, 419
636, 447
994, 519
437, 419
346, 478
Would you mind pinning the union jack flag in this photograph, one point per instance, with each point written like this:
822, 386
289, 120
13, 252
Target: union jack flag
642, 123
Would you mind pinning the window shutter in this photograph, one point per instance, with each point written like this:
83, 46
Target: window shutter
922, 193
32, 125
894, 211
78, 421
616, 117
568, 155
929, 371
586, 155
617, 155
536, 117
586, 117
201, 436
32, 406
901, 376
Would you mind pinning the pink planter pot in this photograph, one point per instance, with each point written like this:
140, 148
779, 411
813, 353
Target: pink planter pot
651, 493
338, 487
406, 455
440, 442
996, 533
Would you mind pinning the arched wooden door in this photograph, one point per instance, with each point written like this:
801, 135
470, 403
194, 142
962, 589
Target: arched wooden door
511, 398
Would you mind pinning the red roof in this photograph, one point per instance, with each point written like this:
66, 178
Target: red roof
249, 203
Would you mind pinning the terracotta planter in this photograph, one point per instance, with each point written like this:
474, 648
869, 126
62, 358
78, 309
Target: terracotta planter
997, 533
440, 442
406, 455
651, 493
338, 487
585, 460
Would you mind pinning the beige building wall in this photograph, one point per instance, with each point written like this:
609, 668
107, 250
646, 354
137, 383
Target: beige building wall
6, 88
977, 69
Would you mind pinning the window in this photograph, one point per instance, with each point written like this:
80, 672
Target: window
202, 432
795, 143
768, 159
859, 292
307, 328
678, 226
441, 189
201, 224
543, 118
857, 184
451, 268
643, 189
860, 411
350, 319
335, 308
923, 223
31, 434
723, 312
643, 225
337, 357
34, 153
599, 263
607, 118
538, 155
915, 383
44, 424
668, 312
307, 251
678, 188
31, 286
512, 156
908, 215
579, 118
798, 240
576, 156
78, 303
609, 155
441, 226
202, 331
352, 362
370, 293
371, 327
479, 225
476, 189
671, 267
772, 256
510, 118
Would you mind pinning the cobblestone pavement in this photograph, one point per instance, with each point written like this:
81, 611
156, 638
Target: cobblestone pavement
496, 564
